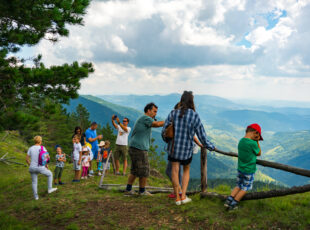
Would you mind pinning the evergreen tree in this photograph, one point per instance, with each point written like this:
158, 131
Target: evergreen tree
23, 88
81, 117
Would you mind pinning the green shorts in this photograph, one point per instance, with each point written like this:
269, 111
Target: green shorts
140, 166
120, 151
58, 172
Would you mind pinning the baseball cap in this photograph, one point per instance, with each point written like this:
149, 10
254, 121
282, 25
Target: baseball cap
102, 143
257, 128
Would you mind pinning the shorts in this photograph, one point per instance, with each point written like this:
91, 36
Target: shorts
58, 172
104, 165
120, 151
245, 181
140, 166
182, 162
93, 154
76, 167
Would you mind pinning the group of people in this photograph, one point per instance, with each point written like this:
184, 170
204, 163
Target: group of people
187, 130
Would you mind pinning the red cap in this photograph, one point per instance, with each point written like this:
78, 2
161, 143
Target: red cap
257, 128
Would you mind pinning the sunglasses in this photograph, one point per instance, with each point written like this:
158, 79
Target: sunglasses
125, 121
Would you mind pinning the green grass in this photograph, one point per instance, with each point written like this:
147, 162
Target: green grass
85, 206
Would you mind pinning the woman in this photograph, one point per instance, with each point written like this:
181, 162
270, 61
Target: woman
78, 131
186, 123
35, 168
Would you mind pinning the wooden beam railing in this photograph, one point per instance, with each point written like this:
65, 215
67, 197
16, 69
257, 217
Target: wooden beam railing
255, 195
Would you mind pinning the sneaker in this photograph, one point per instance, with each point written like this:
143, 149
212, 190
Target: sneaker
89, 175
145, 193
91, 172
82, 178
172, 196
227, 203
178, 202
186, 200
99, 174
75, 180
52, 190
232, 207
61, 183
130, 193
37, 198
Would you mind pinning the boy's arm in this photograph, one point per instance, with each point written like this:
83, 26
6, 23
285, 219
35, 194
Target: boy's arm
260, 150
98, 156
80, 158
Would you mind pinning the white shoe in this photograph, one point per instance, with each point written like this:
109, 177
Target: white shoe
37, 198
82, 178
99, 174
52, 190
89, 175
91, 172
179, 202
186, 200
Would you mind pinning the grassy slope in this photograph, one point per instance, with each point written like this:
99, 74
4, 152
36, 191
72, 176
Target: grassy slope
85, 206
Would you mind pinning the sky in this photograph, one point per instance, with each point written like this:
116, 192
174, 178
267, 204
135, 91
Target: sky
235, 49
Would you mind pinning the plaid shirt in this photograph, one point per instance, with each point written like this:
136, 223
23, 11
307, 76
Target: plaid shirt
185, 129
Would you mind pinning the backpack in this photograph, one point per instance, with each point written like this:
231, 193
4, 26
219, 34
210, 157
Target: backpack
44, 157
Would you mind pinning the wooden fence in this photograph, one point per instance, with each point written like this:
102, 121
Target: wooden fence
254, 195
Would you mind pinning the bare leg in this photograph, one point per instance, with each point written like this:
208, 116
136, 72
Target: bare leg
117, 166
235, 191
125, 167
239, 195
175, 178
142, 182
185, 179
131, 179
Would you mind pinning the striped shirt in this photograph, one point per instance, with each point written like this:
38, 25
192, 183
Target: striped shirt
185, 129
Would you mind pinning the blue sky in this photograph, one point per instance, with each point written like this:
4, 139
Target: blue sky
232, 49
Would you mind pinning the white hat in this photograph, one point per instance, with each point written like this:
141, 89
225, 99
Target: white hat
102, 143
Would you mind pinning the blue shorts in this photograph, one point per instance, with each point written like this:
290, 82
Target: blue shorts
95, 153
245, 181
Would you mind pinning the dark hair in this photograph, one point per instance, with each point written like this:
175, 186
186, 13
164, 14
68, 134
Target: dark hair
187, 102
93, 123
149, 106
249, 129
177, 105
126, 119
77, 128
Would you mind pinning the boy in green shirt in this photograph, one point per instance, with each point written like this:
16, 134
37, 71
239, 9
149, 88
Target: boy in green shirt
248, 150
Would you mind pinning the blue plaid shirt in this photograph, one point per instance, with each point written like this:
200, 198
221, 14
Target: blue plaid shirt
185, 129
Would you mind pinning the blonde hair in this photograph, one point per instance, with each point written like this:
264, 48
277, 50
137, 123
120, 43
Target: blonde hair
37, 139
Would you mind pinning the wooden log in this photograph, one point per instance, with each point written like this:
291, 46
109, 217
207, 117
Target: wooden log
287, 168
147, 187
203, 169
264, 194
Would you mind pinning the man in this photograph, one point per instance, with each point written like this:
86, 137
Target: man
92, 138
121, 142
138, 147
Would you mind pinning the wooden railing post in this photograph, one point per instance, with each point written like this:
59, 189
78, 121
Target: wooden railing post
203, 168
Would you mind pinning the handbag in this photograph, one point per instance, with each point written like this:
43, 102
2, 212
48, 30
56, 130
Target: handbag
169, 131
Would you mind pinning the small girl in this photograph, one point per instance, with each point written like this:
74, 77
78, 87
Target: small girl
105, 151
85, 162
60, 164
99, 157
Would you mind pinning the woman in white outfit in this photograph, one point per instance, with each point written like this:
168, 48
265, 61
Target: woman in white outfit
32, 160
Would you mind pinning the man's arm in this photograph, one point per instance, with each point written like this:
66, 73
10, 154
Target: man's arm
99, 137
121, 125
157, 124
113, 122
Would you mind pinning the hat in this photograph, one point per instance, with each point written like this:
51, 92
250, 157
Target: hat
85, 149
258, 129
102, 143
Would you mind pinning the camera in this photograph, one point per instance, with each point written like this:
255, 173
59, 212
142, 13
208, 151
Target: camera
114, 117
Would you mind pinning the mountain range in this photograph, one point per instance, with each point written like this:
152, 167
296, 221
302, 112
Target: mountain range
286, 135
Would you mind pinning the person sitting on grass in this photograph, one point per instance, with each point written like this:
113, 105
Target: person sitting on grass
85, 162
105, 153
37, 166
60, 164
77, 156
248, 150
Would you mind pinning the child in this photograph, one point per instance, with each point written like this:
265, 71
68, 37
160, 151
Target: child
105, 153
248, 149
99, 157
60, 164
77, 156
85, 162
